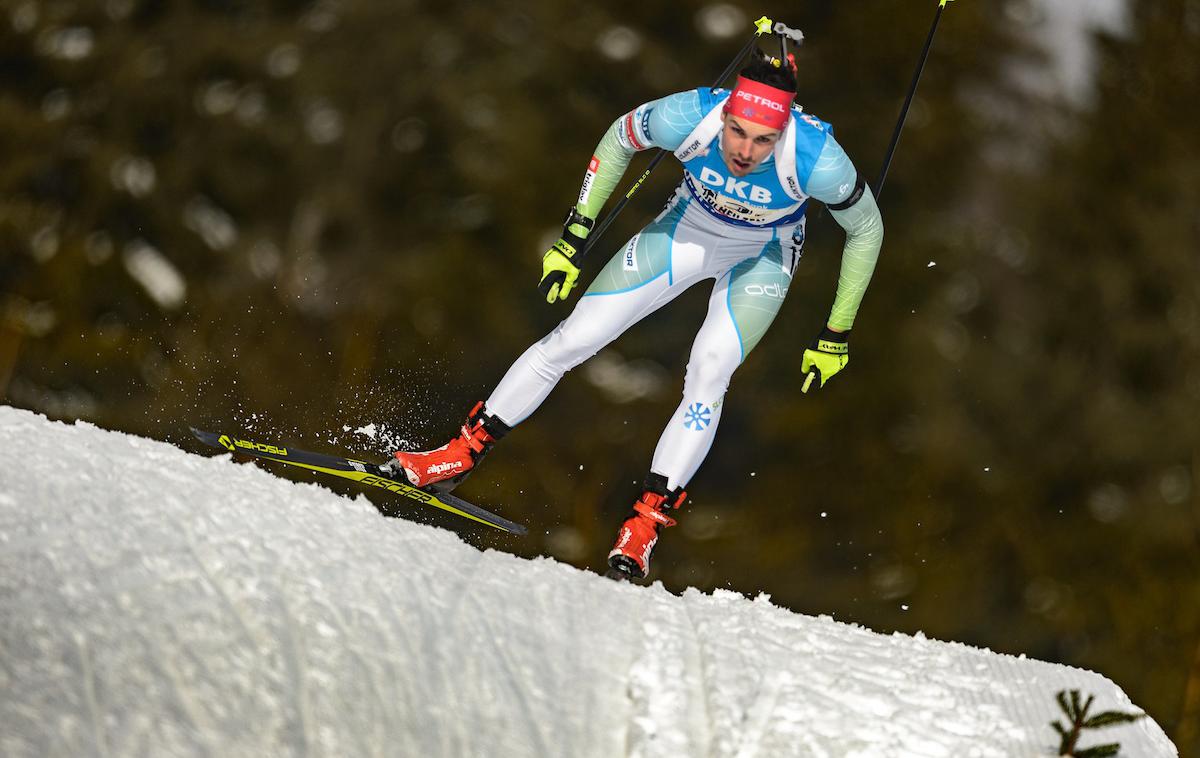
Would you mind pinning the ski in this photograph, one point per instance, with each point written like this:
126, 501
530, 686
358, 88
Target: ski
371, 474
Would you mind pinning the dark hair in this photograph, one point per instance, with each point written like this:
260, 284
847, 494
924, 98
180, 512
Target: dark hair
762, 68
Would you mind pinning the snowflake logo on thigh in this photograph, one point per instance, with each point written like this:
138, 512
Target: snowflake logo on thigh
697, 417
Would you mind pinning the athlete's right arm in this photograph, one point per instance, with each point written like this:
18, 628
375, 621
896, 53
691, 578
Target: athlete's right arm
661, 123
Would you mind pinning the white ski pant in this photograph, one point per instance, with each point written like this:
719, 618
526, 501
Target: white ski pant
685, 244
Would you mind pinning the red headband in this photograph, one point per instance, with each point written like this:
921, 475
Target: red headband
760, 103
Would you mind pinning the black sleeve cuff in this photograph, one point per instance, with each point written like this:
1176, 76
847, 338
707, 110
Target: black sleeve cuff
829, 335
860, 189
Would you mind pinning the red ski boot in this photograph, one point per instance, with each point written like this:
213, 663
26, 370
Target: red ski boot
446, 467
630, 556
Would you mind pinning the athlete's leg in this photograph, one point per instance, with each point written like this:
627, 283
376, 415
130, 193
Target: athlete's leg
744, 302
652, 269
742, 306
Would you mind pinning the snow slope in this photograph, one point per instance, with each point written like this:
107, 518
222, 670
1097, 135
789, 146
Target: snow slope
155, 602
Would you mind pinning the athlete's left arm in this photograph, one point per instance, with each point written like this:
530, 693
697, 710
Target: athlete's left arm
835, 182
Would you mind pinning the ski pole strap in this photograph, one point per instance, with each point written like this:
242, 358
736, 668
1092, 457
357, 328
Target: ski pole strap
574, 217
574, 243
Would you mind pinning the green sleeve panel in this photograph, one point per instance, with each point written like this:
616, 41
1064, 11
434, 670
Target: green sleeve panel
605, 170
864, 238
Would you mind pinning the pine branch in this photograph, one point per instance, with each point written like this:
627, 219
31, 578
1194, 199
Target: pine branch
1077, 712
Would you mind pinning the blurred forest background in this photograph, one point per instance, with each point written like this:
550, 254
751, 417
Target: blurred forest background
321, 221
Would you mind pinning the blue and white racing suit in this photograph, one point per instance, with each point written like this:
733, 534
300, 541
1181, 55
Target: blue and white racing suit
746, 233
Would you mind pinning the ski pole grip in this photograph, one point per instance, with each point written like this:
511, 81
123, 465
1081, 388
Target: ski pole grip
783, 30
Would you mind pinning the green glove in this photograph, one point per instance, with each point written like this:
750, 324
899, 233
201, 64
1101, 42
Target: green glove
560, 264
829, 354
559, 272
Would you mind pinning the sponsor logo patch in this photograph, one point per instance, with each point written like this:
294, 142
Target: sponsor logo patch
767, 290
258, 447
589, 179
734, 188
645, 124
731, 208
398, 487
441, 468
762, 102
646, 554
630, 133
686, 153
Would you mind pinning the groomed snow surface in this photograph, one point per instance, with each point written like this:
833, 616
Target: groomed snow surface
156, 602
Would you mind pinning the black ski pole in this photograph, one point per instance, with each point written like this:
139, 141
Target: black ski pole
912, 90
762, 26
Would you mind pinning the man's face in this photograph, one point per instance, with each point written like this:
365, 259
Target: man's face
745, 144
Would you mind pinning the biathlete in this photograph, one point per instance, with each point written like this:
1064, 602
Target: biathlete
751, 160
